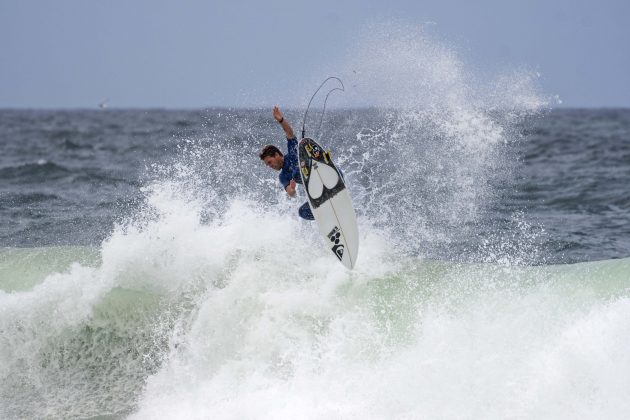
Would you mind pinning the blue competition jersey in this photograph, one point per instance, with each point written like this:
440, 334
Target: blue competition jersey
291, 168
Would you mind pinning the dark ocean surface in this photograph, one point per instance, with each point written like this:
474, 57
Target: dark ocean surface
67, 177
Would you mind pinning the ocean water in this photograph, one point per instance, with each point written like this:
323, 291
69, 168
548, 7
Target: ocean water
151, 266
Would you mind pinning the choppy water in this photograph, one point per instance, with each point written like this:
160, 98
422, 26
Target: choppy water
69, 176
151, 266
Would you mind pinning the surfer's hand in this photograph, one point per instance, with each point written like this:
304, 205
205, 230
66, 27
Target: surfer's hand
277, 114
291, 188
288, 131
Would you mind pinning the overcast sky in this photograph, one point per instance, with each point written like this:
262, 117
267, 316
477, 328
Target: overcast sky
193, 53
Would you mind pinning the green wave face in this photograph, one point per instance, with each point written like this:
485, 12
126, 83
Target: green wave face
23, 268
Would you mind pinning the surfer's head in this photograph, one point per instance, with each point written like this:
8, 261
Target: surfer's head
272, 156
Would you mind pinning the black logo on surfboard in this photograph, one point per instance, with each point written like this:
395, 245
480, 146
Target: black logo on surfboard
312, 158
337, 248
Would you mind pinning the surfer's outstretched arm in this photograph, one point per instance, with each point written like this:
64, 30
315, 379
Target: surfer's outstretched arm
283, 122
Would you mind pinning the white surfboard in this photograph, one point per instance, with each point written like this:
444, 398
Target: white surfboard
329, 201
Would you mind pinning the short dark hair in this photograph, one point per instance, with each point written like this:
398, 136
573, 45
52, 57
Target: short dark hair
269, 150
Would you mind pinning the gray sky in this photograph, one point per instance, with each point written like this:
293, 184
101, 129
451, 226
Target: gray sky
193, 53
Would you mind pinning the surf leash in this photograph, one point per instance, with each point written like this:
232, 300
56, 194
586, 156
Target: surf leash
342, 88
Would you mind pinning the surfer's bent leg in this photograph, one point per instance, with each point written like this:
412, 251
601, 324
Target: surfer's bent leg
305, 212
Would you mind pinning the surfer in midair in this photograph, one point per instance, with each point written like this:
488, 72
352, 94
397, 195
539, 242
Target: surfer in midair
287, 164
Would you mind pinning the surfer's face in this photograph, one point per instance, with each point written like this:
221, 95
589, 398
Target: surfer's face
274, 162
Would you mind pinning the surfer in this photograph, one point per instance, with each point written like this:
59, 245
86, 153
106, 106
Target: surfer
287, 164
